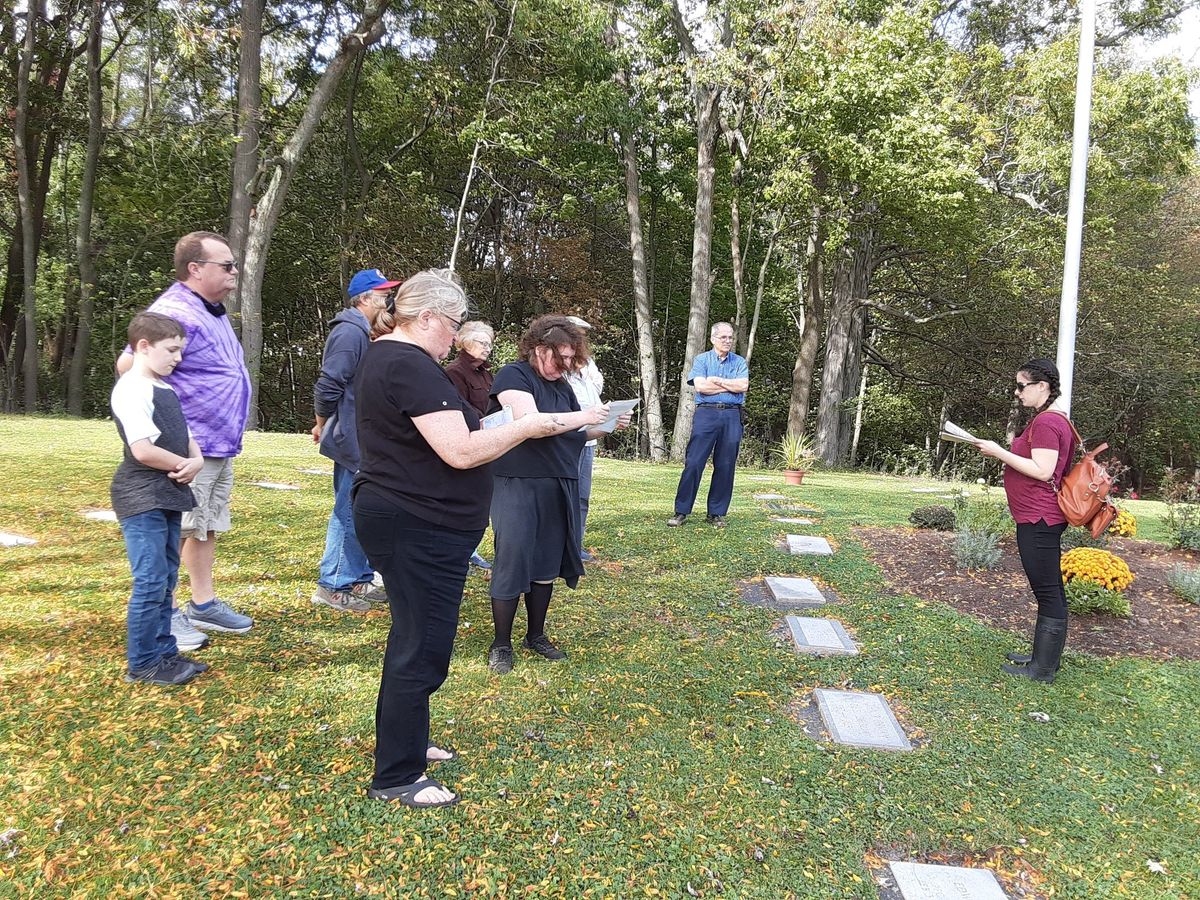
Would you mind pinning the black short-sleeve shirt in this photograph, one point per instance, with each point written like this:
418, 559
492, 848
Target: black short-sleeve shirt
395, 383
551, 457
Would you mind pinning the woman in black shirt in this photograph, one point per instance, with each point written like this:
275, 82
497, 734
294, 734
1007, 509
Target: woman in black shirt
421, 501
536, 494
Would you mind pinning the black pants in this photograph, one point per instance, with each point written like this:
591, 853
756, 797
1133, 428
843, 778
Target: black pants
424, 568
1040, 546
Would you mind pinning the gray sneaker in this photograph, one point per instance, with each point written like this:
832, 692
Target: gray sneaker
366, 590
186, 637
218, 617
500, 660
676, 520
344, 601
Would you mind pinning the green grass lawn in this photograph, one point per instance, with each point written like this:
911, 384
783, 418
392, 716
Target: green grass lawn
659, 760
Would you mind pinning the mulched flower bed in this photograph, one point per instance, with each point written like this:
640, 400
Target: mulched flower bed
1163, 626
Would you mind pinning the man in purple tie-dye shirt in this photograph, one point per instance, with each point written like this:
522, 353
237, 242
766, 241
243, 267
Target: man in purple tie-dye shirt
214, 390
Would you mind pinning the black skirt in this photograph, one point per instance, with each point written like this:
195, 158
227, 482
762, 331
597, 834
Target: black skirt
536, 523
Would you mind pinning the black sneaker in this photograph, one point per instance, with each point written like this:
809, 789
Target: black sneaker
676, 520
200, 667
166, 670
500, 660
715, 521
542, 645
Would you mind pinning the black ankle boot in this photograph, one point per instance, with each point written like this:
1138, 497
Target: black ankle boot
1049, 638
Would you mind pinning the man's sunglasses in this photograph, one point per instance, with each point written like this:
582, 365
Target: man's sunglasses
228, 265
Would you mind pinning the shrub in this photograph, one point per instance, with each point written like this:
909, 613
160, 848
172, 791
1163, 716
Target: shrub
937, 517
1182, 495
976, 549
1124, 525
987, 516
1086, 596
1077, 536
1185, 582
1104, 568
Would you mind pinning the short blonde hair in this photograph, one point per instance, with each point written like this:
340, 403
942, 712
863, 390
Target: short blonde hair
473, 331
438, 290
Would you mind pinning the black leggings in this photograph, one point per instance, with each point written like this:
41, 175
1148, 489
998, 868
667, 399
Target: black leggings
1040, 546
424, 568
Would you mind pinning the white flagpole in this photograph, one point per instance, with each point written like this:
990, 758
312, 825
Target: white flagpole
1069, 306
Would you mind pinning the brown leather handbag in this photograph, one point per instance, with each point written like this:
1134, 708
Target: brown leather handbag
1083, 491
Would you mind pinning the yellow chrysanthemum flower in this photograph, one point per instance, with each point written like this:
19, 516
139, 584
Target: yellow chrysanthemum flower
1124, 525
1096, 565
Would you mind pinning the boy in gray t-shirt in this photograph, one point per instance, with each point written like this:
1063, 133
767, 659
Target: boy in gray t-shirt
150, 494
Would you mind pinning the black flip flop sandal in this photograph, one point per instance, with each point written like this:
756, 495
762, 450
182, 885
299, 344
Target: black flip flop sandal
406, 794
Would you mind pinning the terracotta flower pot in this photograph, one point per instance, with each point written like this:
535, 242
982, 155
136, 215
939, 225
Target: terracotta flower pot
793, 476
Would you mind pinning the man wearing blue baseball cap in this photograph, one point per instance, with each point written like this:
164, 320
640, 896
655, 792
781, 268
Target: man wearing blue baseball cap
345, 577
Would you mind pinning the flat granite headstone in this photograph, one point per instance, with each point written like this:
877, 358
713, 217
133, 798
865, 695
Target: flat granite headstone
918, 881
926, 490
861, 720
275, 486
770, 497
821, 637
795, 591
8, 539
805, 544
316, 471
99, 515
791, 521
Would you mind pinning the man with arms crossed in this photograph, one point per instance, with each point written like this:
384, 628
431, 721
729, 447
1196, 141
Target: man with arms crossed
214, 390
721, 379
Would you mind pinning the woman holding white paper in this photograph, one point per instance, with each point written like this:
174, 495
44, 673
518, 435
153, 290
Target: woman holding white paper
535, 497
421, 501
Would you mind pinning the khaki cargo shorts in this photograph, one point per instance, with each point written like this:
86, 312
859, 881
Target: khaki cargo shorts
212, 488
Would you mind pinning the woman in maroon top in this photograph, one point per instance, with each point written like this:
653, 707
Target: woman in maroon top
470, 371
1032, 469
471, 375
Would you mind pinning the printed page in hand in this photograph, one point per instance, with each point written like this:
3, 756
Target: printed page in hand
951, 432
616, 408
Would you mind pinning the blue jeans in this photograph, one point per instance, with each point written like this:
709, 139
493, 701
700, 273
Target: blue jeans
152, 545
716, 433
587, 459
344, 563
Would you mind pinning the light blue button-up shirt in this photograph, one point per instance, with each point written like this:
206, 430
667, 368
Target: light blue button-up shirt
709, 365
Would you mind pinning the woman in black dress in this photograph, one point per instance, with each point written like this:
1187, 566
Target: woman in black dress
421, 501
535, 500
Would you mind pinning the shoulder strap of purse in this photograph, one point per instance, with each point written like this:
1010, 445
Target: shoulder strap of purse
1082, 445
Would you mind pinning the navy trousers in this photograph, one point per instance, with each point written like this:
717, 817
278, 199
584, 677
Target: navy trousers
716, 433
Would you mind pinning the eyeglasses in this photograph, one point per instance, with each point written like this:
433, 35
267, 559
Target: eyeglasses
723, 337
1021, 385
456, 325
228, 265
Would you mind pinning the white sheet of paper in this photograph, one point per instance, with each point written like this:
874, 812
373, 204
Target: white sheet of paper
951, 432
496, 419
616, 409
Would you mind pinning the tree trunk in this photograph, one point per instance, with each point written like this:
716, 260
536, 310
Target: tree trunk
487, 99
849, 277
83, 233
642, 307
246, 149
735, 254
707, 108
270, 204
25, 202
858, 417
810, 278
758, 296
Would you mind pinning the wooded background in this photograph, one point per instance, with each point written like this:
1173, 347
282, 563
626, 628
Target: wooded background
874, 193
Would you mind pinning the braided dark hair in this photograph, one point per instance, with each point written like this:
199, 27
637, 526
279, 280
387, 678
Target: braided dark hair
1044, 370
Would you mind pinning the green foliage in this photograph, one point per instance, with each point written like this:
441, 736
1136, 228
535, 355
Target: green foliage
1185, 581
976, 549
937, 517
987, 515
1182, 495
1078, 536
795, 452
1085, 596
